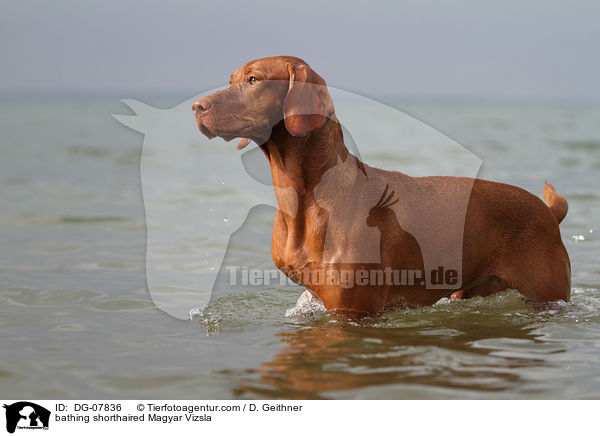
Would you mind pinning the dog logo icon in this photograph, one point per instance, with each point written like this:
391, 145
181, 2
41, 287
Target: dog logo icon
26, 415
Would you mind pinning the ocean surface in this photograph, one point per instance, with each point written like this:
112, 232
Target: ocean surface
85, 314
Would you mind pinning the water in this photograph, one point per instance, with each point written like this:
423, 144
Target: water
77, 320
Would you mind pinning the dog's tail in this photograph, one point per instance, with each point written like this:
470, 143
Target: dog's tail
556, 202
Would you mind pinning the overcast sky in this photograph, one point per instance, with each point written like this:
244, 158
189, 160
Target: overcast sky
508, 49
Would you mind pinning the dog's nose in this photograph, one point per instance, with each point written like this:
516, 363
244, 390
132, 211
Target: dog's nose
201, 105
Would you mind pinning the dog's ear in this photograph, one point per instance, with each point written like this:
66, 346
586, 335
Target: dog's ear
307, 105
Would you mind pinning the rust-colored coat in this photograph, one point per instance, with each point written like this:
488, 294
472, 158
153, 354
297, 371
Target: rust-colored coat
336, 214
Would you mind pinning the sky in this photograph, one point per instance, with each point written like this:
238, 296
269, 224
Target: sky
545, 50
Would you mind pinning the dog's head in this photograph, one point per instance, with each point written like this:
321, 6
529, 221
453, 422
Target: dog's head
260, 95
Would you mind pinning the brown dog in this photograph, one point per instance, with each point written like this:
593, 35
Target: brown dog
361, 238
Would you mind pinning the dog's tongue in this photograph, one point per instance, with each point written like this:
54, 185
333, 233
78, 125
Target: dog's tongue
243, 142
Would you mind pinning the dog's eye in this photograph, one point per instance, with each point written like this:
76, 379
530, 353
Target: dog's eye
252, 80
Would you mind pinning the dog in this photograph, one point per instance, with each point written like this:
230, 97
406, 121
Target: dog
425, 238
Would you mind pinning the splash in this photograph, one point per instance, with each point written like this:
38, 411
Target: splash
306, 305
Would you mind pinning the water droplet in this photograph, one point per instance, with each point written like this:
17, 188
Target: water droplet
212, 268
225, 220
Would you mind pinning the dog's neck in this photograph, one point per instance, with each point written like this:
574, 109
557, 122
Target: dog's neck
299, 163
